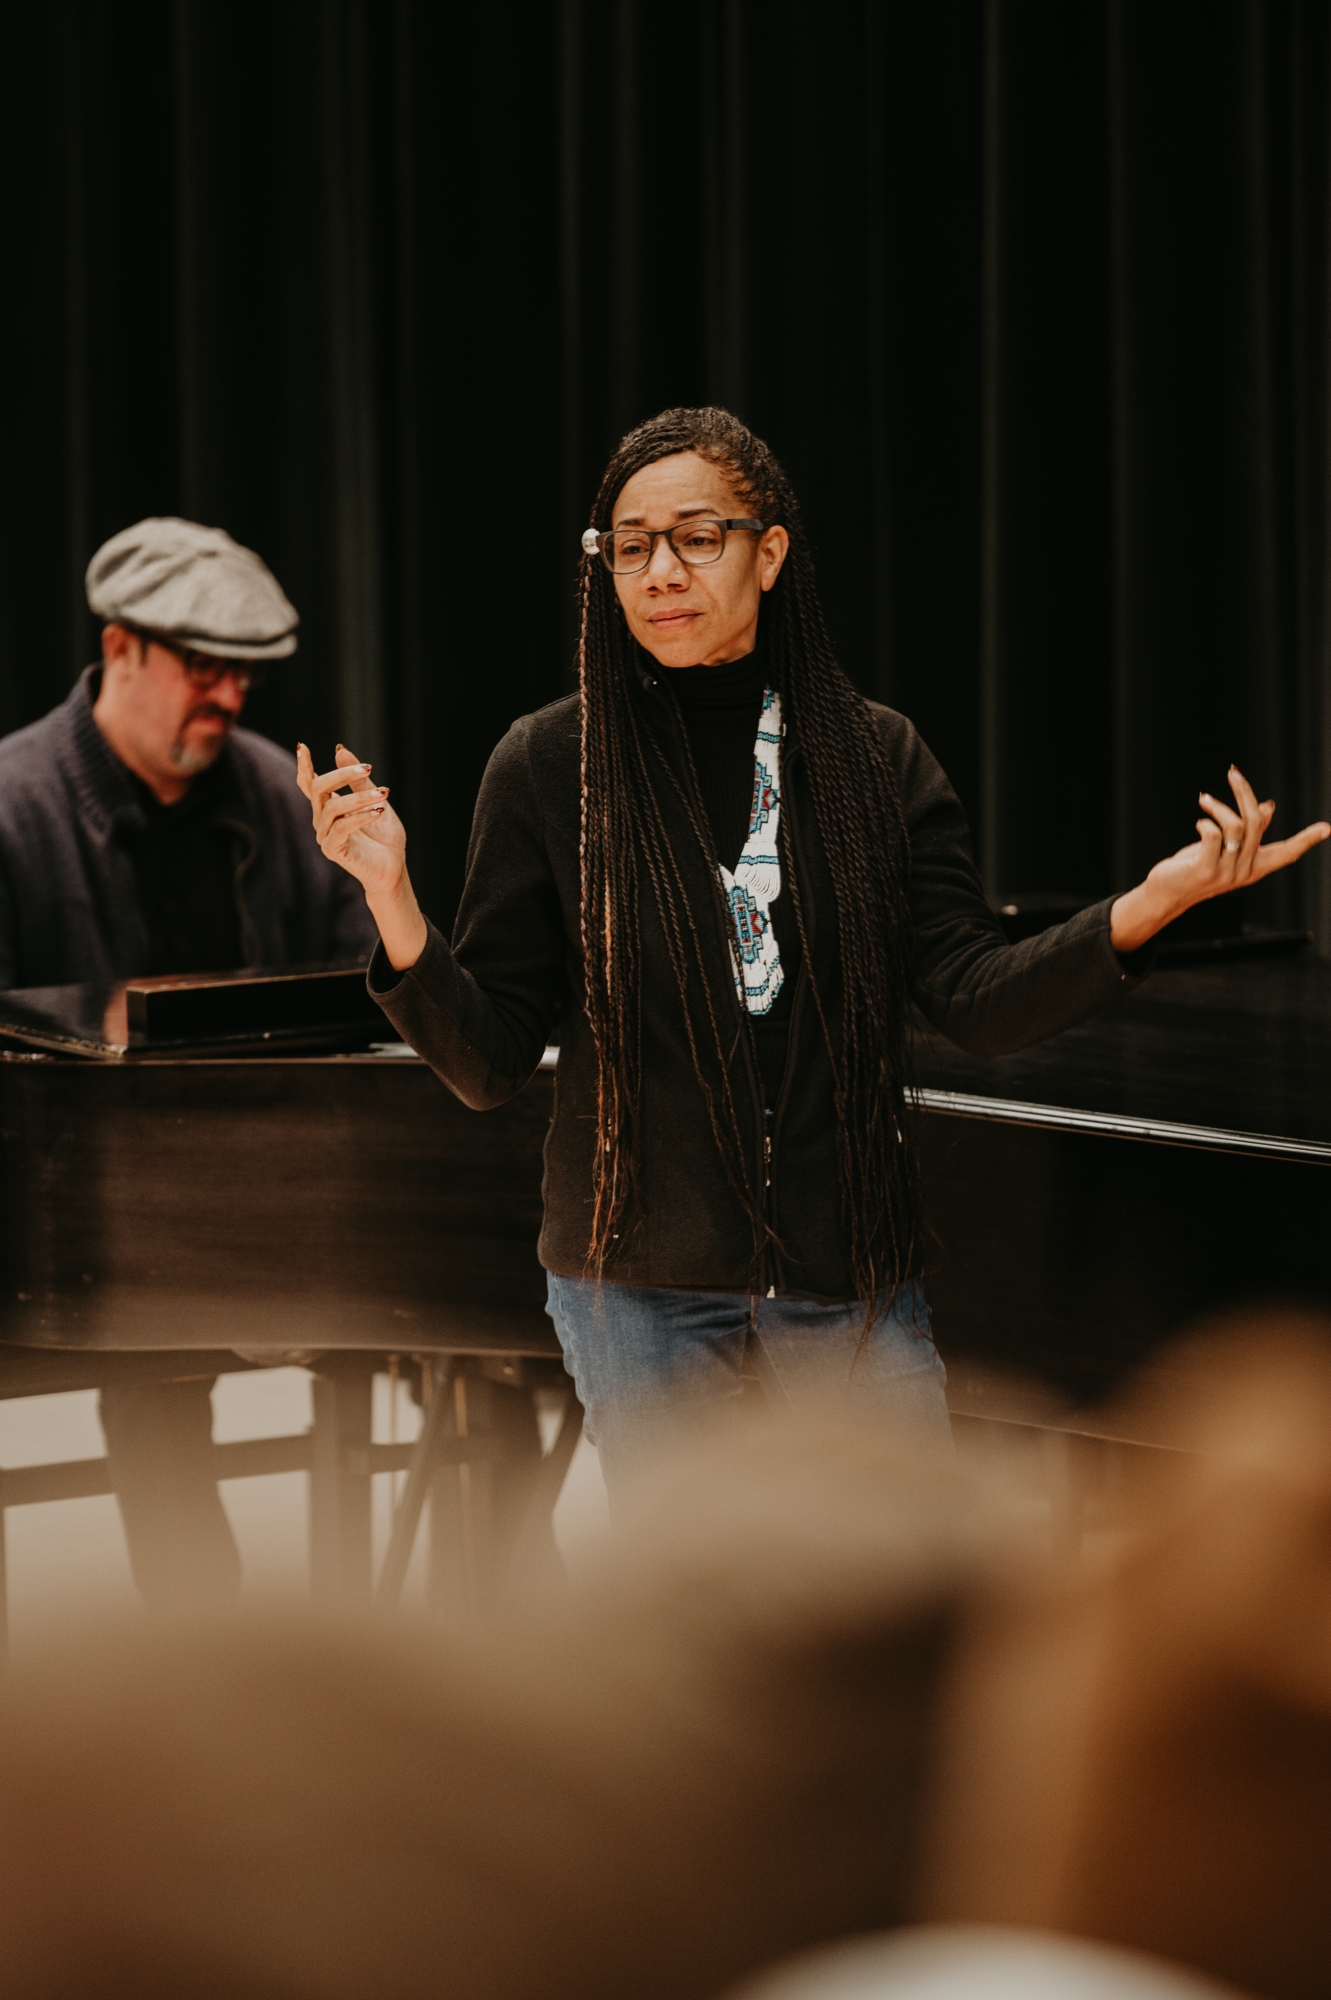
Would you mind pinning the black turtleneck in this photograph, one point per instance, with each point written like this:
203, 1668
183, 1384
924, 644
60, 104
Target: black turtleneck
719, 707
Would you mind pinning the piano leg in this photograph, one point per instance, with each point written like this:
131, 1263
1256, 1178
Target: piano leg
340, 1543
533, 1538
437, 1390
494, 1491
159, 1454
462, 1498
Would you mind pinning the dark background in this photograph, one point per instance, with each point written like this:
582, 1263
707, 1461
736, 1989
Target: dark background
1030, 297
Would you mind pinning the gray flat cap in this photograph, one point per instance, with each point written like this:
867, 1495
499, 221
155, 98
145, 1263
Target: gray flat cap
193, 584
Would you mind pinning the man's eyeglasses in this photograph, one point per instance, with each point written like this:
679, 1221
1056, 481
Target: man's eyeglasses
205, 670
625, 551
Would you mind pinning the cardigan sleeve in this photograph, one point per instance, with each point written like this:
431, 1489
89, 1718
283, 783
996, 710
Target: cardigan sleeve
480, 1010
986, 995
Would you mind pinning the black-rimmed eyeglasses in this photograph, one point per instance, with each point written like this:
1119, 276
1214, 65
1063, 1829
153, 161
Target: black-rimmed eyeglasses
205, 670
625, 551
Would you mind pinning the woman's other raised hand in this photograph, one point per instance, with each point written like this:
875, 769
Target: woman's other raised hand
1229, 854
356, 826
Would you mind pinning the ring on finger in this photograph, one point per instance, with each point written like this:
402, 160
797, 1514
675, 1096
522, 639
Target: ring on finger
1233, 846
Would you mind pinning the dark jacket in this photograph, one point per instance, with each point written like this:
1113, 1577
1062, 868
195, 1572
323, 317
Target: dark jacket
480, 1013
69, 910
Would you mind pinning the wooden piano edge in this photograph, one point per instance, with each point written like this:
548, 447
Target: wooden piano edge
50, 1371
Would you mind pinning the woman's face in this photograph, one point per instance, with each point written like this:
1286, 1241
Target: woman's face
682, 615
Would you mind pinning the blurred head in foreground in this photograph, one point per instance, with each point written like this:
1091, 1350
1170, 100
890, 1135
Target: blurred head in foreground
979, 1962
715, 1753
723, 1747
1145, 1757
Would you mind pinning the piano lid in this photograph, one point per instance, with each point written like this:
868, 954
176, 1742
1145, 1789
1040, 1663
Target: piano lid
1234, 1056
312, 1008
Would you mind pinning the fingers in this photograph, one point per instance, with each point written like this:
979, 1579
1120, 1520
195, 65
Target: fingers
335, 809
328, 783
1279, 853
1222, 843
1254, 820
349, 772
1234, 840
350, 768
1241, 832
1225, 818
344, 811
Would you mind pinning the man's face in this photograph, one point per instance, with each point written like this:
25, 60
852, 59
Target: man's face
682, 615
178, 727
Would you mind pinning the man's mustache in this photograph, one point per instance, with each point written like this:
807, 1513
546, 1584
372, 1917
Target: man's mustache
202, 709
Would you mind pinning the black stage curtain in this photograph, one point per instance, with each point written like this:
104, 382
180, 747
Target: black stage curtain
1032, 299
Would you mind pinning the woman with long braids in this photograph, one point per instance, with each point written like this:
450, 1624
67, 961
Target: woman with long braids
724, 875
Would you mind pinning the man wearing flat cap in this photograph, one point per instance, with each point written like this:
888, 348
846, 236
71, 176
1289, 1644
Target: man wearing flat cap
142, 831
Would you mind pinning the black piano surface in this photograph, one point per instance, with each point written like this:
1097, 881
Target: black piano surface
1161, 1162
222, 1181
310, 1202
1239, 1054
1086, 1197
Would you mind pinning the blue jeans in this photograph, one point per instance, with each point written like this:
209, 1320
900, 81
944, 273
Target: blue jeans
648, 1363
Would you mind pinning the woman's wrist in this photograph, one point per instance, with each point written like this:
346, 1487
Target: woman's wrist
402, 928
1138, 915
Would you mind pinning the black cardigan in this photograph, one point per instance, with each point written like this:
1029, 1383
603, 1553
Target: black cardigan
481, 1013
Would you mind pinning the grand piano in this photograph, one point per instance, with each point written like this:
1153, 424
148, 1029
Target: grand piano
182, 1192
205, 1176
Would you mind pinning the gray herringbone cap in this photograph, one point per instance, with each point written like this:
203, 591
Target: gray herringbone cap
193, 584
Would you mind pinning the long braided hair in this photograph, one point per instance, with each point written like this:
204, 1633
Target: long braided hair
626, 851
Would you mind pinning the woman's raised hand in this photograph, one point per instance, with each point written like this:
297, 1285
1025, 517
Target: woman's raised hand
355, 827
358, 829
1228, 855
